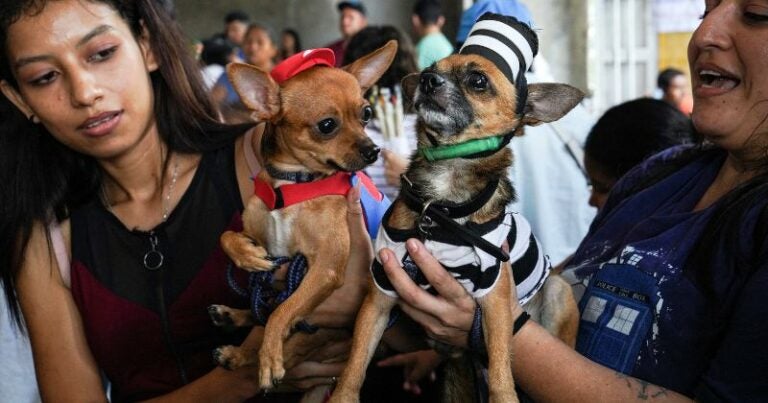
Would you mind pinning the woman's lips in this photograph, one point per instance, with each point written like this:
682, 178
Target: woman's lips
711, 82
101, 124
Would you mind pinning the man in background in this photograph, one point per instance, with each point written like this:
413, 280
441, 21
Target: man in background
674, 88
352, 19
428, 20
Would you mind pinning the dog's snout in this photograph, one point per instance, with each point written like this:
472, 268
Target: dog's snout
429, 82
370, 153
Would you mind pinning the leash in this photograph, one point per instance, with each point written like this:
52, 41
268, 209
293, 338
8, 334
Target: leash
264, 297
444, 213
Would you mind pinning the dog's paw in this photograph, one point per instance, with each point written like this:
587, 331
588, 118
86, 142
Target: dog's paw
220, 315
228, 357
253, 258
271, 369
225, 316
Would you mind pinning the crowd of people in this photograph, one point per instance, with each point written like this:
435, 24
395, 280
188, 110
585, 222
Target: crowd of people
656, 213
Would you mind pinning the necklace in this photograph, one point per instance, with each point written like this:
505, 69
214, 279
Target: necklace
154, 258
166, 199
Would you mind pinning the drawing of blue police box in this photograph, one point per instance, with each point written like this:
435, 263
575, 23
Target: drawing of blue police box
618, 309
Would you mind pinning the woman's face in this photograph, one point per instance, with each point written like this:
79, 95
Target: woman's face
258, 48
288, 42
728, 56
82, 73
601, 182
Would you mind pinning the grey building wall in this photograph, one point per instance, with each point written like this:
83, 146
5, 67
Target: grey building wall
315, 20
561, 24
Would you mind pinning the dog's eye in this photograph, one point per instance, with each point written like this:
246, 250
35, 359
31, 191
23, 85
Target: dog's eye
327, 126
367, 114
477, 81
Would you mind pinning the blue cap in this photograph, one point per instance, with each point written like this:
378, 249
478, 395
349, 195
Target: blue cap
504, 7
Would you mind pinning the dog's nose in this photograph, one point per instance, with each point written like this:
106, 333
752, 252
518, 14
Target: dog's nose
429, 82
370, 153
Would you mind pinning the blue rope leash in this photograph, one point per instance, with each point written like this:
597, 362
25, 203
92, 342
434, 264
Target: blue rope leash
264, 298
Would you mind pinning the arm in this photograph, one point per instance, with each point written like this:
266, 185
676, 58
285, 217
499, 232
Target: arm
66, 369
545, 367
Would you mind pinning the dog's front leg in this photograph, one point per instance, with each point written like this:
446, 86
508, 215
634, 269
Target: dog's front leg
244, 253
321, 279
370, 325
497, 326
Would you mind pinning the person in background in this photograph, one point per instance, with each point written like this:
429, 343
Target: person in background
626, 135
260, 51
427, 21
236, 24
674, 89
352, 18
216, 54
123, 179
290, 44
505, 7
385, 172
675, 265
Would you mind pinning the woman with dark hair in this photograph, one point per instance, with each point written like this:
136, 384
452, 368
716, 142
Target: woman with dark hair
118, 180
675, 265
290, 44
626, 135
371, 38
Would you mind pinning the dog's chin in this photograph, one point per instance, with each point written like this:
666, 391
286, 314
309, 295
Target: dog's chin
352, 165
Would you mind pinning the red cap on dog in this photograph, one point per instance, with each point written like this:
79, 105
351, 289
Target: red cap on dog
302, 61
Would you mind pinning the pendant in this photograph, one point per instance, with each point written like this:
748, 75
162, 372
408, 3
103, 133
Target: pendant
153, 259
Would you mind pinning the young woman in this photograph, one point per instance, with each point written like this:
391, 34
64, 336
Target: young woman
676, 263
108, 131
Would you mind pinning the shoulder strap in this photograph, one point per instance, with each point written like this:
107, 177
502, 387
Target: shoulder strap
60, 250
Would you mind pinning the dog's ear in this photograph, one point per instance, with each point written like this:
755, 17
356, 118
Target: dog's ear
369, 68
548, 102
409, 84
258, 91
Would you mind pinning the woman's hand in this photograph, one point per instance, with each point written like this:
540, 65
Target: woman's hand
446, 317
340, 309
416, 366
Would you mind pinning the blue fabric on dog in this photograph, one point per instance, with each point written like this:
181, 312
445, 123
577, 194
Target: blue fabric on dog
374, 202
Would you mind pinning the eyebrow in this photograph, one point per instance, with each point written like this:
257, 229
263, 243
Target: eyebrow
94, 33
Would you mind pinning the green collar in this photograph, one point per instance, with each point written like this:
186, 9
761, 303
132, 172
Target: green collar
465, 149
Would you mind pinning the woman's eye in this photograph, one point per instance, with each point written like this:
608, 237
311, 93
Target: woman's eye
755, 17
103, 54
326, 126
367, 114
44, 79
477, 81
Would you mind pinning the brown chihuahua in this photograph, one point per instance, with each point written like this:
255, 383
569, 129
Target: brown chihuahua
313, 141
455, 196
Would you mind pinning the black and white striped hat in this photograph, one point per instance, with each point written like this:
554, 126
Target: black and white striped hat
509, 44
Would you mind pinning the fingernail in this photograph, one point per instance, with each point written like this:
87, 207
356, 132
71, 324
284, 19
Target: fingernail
383, 256
413, 245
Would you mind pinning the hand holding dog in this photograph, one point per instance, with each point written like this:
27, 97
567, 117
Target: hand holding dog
446, 317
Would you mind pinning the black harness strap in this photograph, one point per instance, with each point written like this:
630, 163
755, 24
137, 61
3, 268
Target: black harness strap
444, 213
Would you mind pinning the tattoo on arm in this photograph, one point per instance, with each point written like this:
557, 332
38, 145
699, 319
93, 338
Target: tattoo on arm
645, 390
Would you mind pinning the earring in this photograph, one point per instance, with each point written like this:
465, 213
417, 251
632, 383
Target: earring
34, 119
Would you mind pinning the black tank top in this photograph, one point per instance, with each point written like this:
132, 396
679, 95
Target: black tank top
149, 329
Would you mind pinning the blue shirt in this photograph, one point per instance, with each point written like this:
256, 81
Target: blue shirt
641, 315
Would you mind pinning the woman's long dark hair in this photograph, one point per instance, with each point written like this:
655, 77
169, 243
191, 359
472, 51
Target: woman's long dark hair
43, 180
